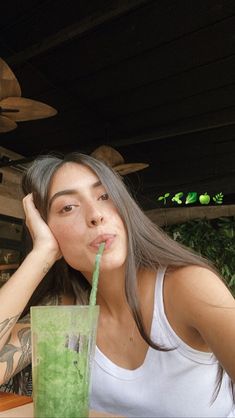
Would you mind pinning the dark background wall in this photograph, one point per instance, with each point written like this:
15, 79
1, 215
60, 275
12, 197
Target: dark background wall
153, 79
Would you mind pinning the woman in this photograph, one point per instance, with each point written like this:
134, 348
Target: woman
165, 341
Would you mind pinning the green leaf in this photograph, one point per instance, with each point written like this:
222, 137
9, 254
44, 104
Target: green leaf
177, 198
191, 198
218, 198
214, 239
232, 281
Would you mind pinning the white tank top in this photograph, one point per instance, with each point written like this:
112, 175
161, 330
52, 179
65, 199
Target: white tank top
178, 383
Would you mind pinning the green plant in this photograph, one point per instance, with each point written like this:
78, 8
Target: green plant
218, 198
166, 195
177, 198
192, 197
214, 239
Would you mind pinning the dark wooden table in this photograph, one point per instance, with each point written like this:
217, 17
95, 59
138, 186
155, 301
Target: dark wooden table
17, 406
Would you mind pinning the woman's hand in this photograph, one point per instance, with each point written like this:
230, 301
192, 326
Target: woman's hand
23, 283
43, 239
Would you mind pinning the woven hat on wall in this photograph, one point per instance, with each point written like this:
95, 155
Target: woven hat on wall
13, 107
114, 159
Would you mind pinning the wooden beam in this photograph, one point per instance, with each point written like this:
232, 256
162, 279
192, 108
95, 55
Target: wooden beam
11, 207
113, 10
205, 122
171, 216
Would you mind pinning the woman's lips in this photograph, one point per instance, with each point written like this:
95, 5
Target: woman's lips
107, 238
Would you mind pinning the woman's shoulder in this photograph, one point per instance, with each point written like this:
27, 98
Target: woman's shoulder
191, 287
197, 304
193, 275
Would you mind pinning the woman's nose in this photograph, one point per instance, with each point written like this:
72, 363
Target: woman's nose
95, 218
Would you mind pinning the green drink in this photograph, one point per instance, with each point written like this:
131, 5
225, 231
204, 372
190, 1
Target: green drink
63, 345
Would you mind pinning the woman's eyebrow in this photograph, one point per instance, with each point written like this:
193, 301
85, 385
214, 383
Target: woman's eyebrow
70, 192
96, 184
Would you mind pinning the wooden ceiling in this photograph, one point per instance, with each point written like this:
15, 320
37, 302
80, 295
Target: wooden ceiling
153, 79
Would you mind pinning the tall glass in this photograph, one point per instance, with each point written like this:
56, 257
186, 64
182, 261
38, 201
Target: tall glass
63, 346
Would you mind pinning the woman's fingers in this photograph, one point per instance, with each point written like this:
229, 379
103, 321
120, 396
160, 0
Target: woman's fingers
29, 209
40, 232
33, 219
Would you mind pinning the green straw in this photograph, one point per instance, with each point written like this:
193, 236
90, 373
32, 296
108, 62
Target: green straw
95, 276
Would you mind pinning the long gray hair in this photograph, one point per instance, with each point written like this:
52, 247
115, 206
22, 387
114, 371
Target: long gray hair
148, 246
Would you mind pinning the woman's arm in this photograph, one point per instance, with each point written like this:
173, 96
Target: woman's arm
16, 353
15, 294
204, 303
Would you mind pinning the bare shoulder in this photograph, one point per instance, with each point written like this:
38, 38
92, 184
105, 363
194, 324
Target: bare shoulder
194, 289
193, 272
201, 309
199, 283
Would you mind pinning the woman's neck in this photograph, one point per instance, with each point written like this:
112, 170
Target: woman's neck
111, 293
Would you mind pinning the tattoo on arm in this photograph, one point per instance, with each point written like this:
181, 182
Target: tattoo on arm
6, 356
25, 319
46, 268
7, 324
24, 336
9, 350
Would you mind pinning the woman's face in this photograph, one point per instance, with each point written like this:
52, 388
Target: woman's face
81, 216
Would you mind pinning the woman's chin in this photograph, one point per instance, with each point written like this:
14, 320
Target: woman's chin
108, 262
111, 266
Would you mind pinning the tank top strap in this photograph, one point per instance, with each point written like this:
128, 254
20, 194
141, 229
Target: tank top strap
163, 333
158, 333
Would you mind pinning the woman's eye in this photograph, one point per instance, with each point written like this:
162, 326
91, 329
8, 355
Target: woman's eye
104, 196
67, 208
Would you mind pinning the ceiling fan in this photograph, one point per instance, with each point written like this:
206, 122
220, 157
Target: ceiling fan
114, 159
13, 107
